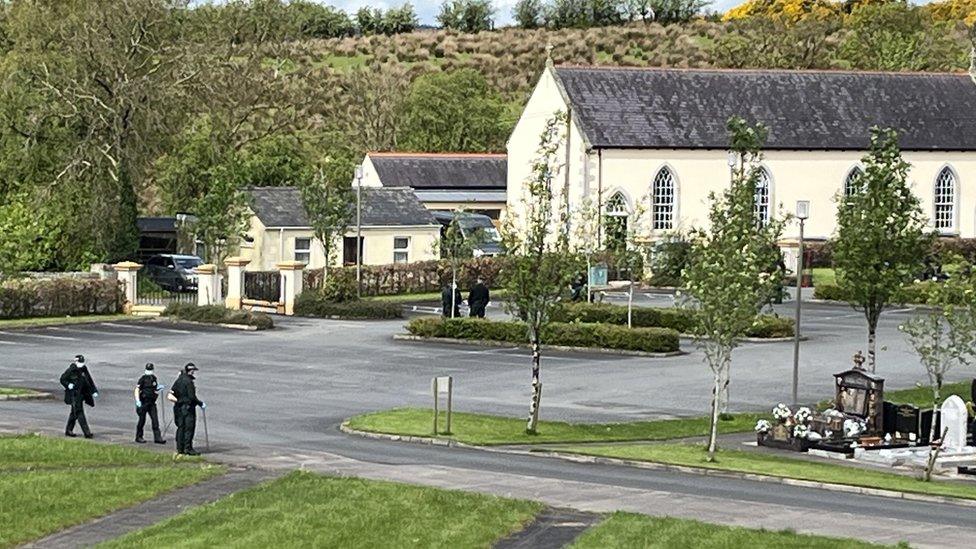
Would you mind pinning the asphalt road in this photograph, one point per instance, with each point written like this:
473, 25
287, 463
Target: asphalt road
288, 389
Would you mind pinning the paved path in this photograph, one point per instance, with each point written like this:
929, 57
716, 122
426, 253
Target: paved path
552, 529
153, 511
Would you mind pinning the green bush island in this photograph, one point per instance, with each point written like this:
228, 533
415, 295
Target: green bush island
23, 298
318, 304
681, 320
918, 293
218, 314
606, 336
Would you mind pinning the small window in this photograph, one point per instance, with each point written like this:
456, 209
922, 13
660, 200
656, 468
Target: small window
615, 220
852, 184
303, 250
401, 249
761, 203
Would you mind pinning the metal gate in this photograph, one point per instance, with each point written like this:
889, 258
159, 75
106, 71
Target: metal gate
263, 286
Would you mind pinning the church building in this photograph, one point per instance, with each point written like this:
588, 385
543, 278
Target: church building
659, 136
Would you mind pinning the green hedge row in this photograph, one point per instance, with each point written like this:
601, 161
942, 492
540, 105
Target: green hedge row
681, 320
918, 293
218, 314
24, 298
604, 336
314, 304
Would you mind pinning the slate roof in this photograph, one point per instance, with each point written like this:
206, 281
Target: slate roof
804, 110
441, 171
281, 207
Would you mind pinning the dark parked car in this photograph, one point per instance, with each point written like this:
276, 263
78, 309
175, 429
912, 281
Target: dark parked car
485, 237
174, 272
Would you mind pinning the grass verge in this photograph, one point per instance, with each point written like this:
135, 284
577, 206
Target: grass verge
918, 396
309, 510
15, 391
693, 455
487, 430
630, 530
47, 484
39, 322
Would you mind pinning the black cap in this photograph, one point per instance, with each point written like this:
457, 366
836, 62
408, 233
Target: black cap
150, 367
79, 358
190, 367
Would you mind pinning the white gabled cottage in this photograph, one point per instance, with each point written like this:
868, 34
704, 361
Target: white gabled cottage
660, 135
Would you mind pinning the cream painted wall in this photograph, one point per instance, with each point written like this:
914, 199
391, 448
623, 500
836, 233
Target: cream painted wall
377, 245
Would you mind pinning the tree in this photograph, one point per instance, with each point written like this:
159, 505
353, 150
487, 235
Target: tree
392, 21
669, 11
897, 36
369, 20
328, 199
319, 21
540, 263
881, 237
467, 15
727, 275
456, 246
453, 111
223, 215
945, 336
371, 115
528, 14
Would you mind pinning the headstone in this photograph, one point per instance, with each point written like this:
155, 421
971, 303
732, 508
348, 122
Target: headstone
906, 420
954, 421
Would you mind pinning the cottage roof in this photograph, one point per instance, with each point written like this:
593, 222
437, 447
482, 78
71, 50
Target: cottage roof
281, 207
803, 110
441, 171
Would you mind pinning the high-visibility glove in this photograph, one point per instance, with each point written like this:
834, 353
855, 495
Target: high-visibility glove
71, 386
138, 404
95, 395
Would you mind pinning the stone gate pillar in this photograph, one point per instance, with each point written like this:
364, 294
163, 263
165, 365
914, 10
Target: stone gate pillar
128, 273
235, 281
208, 285
292, 281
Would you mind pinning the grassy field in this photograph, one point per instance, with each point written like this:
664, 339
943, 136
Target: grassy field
693, 455
15, 391
922, 396
39, 322
309, 510
629, 530
49, 484
481, 429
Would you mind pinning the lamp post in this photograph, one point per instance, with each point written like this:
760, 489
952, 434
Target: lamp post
359, 231
802, 213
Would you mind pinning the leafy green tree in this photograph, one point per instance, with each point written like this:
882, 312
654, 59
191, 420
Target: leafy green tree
369, 20
400, 20
668, 11
328, 198
453, 111
881, 237
892, 36
945, 336
467, 15
223, 215
371, 117
320, 21
727, 275
541, 264
275, 161
528, 14
455, 246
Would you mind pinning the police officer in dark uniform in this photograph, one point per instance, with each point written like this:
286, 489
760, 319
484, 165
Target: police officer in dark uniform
146, 391
184, 395
451, 296
478, 299
79, 389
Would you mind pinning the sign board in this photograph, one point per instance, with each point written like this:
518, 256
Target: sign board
443, 385
598, 275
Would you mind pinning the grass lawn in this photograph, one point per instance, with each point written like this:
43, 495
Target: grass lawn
49, 484
481, 429
772, 465
630, 530
310, 510
824, 275
37, 322
922, 396
14, 391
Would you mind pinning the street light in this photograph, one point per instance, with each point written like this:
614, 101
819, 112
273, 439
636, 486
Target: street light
359, 231
802, 214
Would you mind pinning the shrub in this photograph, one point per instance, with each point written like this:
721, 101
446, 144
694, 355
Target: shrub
317, 304
606, 336
411, 278
918, 293
23, 298
680, 320
218, 314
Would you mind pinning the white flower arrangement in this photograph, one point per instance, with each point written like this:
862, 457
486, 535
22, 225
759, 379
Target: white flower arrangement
782, 412
800, 431
763, 426
803, 416
853, 428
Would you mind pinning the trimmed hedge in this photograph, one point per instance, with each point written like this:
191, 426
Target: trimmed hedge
603, 336
417, 277
25, 298
918, 293
315, 304
218, 314
681, 320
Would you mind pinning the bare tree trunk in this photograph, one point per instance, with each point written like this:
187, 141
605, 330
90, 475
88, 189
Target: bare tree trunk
453, 290
533, 423
630, 302
872, 340
325, 270
713, 427
934, 451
